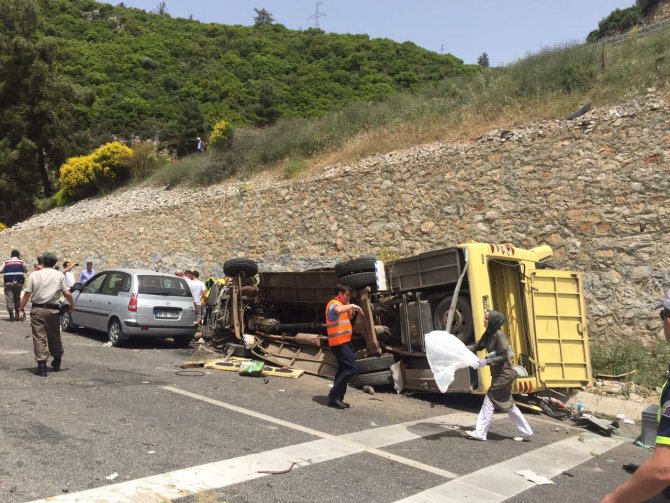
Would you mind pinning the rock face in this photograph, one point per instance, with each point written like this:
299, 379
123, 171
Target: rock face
596, 189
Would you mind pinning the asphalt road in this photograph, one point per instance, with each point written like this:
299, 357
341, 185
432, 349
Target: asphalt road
119, 424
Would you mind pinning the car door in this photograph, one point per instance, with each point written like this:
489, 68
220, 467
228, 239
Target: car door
86, 312
559, 325
111, 299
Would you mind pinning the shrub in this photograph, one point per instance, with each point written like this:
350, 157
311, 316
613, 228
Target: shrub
110, 165
144, 160
76, 178
60, 198
83, 176
221, 137
2, 227
576, 77
292, 168
620, 357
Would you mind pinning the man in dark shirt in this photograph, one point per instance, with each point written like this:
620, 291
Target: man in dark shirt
13, 271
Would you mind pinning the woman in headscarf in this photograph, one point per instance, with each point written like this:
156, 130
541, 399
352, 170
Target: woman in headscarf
499, 397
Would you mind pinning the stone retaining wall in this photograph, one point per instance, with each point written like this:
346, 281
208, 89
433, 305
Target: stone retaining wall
596, 189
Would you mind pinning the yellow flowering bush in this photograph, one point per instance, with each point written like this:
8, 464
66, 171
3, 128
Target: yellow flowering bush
86, 175
110, 164
221, 136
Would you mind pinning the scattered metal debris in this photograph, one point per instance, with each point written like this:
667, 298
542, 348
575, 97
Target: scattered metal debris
280, 472
190, 373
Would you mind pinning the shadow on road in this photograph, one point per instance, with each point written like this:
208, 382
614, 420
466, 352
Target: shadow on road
134, 343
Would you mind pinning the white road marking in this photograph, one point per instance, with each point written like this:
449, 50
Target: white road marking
360, 440
499, 482
549, 461
193, 480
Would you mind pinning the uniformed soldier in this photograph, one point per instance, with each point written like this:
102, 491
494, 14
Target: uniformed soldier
13, 270
45, 288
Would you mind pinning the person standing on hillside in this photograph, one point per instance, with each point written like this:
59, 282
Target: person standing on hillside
13, 270
200, 145
653, 475
499, 396
44, 289
87, 273
338, 325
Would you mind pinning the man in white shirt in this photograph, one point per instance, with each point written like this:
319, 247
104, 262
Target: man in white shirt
197, 287
67, 270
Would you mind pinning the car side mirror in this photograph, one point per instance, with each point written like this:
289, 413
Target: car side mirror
76, 287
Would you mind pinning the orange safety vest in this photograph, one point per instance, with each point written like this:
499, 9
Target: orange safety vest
339, 331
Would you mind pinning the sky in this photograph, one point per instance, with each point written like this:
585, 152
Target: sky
505, 30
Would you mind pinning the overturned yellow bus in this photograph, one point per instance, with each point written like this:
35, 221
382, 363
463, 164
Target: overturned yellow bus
281, 319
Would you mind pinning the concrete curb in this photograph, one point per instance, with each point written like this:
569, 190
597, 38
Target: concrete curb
608, 406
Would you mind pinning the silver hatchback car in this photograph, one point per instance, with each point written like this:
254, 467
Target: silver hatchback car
128, 303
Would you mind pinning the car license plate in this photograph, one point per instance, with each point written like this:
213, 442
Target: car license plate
166, 315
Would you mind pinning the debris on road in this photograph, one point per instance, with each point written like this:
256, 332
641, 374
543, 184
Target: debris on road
112, 476
235, 365
280, 472
600, 426
533, 477
190, 373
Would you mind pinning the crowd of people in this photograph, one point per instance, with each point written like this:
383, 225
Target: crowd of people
45, 286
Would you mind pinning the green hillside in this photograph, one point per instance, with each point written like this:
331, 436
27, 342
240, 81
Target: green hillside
76, 74
151, 73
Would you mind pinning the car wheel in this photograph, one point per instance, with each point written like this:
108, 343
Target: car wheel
462, 325
360, 280
243, 266
353, 266
66, 324
374, 363
182, 341
382, 378
115, 333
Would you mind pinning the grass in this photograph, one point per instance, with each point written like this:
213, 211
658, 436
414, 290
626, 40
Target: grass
550, 84
294, 168
620, 357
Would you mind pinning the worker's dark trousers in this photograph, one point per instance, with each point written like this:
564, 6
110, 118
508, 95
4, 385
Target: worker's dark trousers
346, 369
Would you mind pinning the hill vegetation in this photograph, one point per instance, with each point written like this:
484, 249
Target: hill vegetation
622, 20
154, 76
78, 74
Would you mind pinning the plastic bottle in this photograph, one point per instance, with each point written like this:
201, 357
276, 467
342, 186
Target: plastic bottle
579, 407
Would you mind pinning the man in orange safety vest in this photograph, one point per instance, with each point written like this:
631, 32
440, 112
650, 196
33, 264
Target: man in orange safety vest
338, 324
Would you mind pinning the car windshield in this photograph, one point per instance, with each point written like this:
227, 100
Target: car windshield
163, 285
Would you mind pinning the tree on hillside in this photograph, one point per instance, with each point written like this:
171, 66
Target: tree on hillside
483, 60
646, 6
37, 108
189, 125
266, 110
263, 17
161, 9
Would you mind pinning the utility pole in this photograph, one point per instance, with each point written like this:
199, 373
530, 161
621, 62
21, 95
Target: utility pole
317, 15
441, 48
